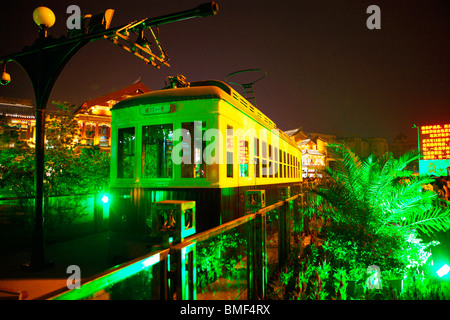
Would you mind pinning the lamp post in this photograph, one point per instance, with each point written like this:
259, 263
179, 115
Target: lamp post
418, 146
43, 62
418, 138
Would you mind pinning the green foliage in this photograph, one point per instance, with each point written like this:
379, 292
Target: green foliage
219, 258
377, 193
67, 170
373, 213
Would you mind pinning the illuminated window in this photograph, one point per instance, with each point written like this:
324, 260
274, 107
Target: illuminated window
275, 163
230, 151
244, 158
263, 160
126, 153
256, 154
280, 169
193, 148
270, 168
157, 142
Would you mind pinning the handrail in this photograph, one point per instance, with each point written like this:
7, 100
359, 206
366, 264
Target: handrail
230, 225
108, 277
100, 281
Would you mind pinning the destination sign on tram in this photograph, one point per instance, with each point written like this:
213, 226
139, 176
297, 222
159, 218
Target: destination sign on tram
157, 109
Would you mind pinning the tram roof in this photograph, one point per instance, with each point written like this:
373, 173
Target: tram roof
208, 89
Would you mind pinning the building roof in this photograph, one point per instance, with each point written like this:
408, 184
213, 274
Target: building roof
304, 142
297, 134
312, 152
134, 89
16, 110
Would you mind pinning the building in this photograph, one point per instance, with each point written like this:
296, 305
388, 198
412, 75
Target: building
314, 151
402, 145
93, 117
363, 147
322, 141
16, 117
313, 161
297, 134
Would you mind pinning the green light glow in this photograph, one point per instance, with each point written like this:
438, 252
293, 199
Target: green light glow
443, 270
90, 288
105, 198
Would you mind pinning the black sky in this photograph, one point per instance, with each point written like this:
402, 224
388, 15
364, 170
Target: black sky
327, 72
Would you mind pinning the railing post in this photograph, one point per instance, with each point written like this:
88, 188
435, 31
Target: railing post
256, 246
283, 229
251, 264
173, 221
163, 279
186, 272
260, 255
297, 215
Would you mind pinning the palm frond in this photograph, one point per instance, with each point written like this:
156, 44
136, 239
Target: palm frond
430, 221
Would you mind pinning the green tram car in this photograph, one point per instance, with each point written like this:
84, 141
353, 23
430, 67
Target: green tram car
204, 143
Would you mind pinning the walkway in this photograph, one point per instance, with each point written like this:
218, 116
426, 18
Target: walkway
89, 253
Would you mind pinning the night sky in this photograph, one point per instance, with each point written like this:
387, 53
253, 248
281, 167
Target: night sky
327, 72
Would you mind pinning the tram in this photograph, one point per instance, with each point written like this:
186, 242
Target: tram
199, 141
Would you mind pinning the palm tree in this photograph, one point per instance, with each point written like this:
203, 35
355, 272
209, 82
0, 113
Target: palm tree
379, 196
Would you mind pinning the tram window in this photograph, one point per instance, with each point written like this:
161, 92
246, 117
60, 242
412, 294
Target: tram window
263, 149
264, 168
196, 167
270, 169
230, 150
125, 153
280, 169
157, 145
256, 146
257, 174
244, 158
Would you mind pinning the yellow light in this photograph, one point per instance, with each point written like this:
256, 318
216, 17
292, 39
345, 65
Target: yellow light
44, 17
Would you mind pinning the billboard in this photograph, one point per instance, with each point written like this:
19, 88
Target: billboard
434, 143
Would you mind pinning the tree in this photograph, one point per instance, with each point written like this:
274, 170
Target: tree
67, 171
379, 196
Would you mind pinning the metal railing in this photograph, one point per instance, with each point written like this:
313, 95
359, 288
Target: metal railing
231, 261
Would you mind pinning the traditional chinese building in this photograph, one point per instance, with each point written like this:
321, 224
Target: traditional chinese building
313, 160
94, 116
16, 116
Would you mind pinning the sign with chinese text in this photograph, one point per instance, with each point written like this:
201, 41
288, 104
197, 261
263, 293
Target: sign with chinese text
435, 142
157, 109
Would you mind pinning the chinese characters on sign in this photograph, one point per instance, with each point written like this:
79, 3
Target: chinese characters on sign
158, 109
435, 142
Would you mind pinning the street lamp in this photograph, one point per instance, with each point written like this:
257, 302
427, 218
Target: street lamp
6, 77
43, 62
44, 18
